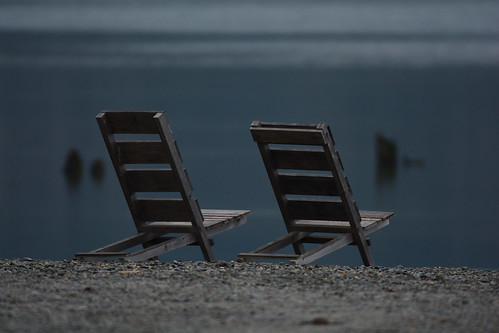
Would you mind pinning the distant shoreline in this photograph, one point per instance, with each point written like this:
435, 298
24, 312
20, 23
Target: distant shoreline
72, 296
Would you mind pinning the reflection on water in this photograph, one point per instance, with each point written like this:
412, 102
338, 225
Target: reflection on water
428, 81
413, 162
73, 168
97, 170
386, 160
211, 111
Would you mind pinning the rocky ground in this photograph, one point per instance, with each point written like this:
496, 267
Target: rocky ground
75, 296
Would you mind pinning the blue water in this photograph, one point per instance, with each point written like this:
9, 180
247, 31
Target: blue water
428, 81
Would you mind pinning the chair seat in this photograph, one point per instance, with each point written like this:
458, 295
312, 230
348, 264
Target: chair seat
313, 194
370, 221
215, 222
146, 159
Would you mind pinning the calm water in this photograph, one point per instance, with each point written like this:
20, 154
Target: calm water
428, 81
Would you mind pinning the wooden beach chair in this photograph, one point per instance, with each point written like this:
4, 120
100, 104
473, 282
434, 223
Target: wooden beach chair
314, 196
157, 190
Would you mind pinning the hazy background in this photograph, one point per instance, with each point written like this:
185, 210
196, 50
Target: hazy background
423, 73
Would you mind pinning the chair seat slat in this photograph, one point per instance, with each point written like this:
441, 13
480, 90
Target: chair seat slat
210, 224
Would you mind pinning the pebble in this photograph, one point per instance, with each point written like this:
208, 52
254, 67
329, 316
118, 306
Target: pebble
154, 296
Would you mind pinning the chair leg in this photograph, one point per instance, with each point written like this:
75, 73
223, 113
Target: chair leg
298, 247
204, 243
365, 252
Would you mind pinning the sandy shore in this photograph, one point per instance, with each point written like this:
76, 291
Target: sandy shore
73, 296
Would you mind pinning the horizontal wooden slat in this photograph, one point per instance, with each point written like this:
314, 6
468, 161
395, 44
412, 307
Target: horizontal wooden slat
215, 221
142, 152
301, 209
153, 180
264, 124
223, 213
163, 210
294, 136
167, 227
307, 184
375, 215
121, 122
372, 227
338, 227
370, 222
299, 159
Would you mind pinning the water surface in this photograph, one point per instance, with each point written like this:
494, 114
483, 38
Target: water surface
427, 81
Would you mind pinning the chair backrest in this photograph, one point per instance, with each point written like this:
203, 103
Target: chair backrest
306, 172
149, 167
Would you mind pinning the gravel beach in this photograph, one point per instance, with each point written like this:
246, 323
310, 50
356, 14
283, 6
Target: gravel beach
75, 296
